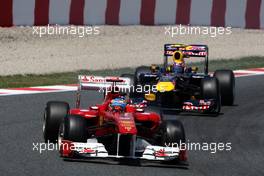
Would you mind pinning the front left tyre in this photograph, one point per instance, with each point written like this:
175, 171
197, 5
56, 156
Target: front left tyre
54, 114
172, 132
173, 135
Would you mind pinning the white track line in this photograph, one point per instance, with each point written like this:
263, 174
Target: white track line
67, 88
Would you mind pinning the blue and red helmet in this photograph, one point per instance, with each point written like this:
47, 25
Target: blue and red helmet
118, 104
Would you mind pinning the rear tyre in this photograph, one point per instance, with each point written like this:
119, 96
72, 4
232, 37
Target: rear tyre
74, 129
226, 81
210, 90
54, 114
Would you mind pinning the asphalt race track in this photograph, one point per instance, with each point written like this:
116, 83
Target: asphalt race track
242, 125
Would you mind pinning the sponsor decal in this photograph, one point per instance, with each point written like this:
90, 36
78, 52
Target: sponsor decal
160, 153
127, 125
92, 79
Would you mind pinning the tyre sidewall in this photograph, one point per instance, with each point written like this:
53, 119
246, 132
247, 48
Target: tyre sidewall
75, 129
172, 133
226, 80
54, 114
210, 90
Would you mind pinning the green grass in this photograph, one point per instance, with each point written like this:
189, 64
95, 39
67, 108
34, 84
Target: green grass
71, 77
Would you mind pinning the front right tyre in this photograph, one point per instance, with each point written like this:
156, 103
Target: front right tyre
74, 129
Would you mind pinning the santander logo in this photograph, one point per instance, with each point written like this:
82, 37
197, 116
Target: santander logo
92, 79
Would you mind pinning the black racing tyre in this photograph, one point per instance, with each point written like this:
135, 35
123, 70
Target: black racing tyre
172, 132
132, 83
210, 90
54, 114
138, 79
173, 135
75, 129
226, 81
139, 71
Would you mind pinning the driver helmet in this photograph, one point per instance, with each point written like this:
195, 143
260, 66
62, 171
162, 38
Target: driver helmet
118, 104
178, 62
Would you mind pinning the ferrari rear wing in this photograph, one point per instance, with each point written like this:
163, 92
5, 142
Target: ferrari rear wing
192, 50
102, 83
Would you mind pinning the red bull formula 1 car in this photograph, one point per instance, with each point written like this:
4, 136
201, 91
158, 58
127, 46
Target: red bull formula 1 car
183, 88
118, 128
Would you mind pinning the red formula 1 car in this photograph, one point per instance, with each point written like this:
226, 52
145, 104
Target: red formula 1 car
117, 128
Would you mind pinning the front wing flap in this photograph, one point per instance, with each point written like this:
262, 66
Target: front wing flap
198, 105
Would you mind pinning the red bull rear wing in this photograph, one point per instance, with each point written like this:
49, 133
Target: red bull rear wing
188, 50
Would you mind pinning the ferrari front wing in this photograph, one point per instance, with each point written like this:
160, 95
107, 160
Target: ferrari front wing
94, 149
